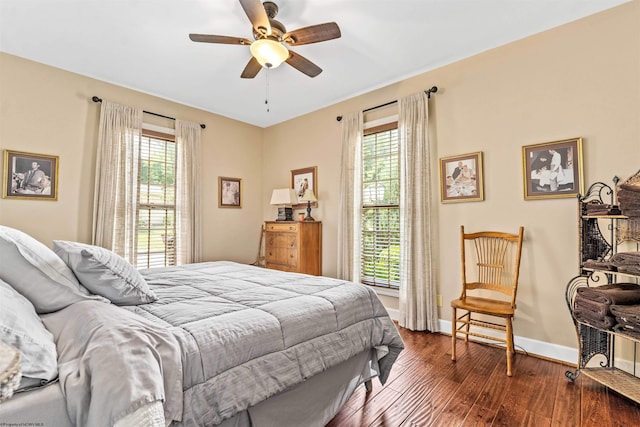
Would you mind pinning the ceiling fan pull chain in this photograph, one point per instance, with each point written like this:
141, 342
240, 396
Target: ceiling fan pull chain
266, 100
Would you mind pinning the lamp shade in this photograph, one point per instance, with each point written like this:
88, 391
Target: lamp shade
308, 196
269, 53
283, 196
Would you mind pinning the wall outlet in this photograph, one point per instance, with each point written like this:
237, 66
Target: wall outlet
439, 300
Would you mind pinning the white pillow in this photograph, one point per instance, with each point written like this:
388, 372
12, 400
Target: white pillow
22, 328
37, 273
105, 273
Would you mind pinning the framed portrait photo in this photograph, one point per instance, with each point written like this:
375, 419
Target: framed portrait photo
303, 179
30, 176
552, 169
229, 192
461, 178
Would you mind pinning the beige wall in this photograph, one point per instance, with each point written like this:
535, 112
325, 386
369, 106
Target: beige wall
49, 111
578, 80
581, 79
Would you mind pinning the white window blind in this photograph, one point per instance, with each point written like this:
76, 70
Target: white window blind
156, 245
380, 234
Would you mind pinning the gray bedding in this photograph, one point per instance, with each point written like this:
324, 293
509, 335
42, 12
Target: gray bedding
244, 334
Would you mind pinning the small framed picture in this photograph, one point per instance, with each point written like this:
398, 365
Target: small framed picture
461, 178
552, 169
229, 192
303, 179
30, 176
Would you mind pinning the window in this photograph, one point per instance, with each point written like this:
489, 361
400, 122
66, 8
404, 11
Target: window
156, 201
380, 234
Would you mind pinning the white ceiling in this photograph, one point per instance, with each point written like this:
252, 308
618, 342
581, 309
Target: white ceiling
144, 45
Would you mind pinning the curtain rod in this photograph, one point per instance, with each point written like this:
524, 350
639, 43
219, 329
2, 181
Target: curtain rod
96, 99
434, 89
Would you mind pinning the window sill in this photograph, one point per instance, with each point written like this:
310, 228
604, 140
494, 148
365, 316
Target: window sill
386, 292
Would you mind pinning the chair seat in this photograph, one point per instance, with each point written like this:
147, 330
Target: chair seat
484, 305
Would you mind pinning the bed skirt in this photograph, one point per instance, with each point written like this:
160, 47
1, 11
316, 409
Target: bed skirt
312, 403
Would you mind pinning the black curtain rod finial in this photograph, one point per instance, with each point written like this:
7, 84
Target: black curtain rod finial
96, 99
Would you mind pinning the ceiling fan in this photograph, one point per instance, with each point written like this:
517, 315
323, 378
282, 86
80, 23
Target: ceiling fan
268, 49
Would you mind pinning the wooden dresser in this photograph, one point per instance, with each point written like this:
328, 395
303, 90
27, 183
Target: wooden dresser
294, 246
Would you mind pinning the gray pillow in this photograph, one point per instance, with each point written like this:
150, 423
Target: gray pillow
21, 327
105, 273
37, 273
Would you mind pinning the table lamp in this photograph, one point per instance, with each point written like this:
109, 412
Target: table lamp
309, 197
284, 198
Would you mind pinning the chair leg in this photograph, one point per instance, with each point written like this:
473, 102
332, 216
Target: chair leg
466, 336
453, 335
510, 350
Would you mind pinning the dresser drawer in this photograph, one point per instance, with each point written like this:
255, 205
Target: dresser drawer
285, 226
282, 240
280, 267
282, 256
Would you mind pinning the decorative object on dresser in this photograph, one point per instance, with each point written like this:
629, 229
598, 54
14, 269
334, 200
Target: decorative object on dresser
301, 180
229, 192
461, 178
309, 197
604, 298
284, 198
30, 176
295, 246
552, 169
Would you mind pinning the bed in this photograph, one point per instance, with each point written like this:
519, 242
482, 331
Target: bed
216, 343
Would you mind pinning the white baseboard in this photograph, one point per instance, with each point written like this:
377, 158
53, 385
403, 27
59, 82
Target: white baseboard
539, 348
530, 346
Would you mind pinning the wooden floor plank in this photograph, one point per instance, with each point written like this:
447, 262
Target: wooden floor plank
426, 388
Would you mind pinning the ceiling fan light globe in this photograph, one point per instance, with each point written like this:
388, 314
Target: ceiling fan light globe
269, 53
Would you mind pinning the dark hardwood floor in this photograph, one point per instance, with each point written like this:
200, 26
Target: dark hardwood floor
426, 388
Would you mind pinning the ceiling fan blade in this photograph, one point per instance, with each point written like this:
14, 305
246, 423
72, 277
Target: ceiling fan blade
312, 34
208, 38
257, 15
303, 65
252, 69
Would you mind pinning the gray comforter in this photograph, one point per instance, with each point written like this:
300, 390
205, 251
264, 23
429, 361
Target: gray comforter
246, 333
111, 362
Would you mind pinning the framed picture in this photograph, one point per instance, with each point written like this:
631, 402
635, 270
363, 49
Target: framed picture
229, 192
30, 176
552, 169
461, 178
304, 178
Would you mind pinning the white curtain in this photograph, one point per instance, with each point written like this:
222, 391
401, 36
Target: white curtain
417, 305
116, 184
188, 218
350, 205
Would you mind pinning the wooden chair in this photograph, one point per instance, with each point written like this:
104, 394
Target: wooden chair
489, 286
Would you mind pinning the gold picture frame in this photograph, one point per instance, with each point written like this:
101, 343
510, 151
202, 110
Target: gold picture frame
552, 169
30, 176
302, 179
229, 192
462, 178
